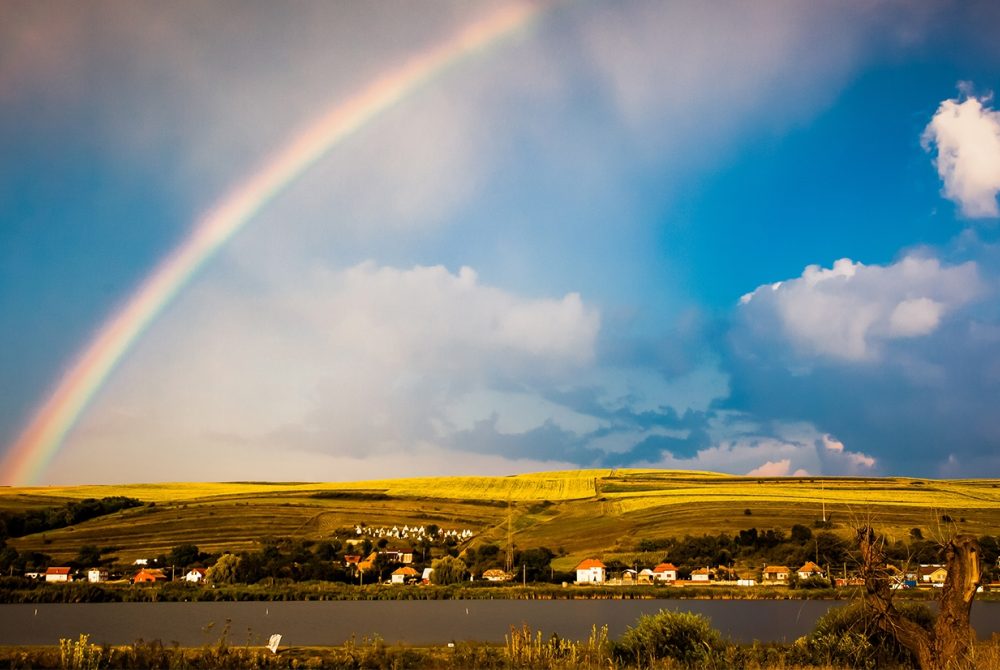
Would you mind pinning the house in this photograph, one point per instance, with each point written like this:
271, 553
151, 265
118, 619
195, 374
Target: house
646, 576
149, 575
701, 575
628, 577
404, 557
351, 559
932, 574
775, 574
195, 575
368, 563
403, 575
810, 569
58, 575
95, 575
665, 572
590, 571
496, 575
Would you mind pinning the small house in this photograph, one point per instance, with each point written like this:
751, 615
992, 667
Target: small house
665, 572
775, 574
810, 569
590, 571
496, 575
195, 575
645, 576
58, 575
403, 575
701, 575
932, 574
149, 576
95, 575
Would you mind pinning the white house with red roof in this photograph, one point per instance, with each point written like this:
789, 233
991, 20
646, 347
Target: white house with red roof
403, 575
58, 575
590, 571
665, 572
810, 569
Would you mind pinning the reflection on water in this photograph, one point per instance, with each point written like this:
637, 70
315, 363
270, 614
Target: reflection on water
410, 622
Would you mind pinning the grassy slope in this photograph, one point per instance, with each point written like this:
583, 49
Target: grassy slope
589, 512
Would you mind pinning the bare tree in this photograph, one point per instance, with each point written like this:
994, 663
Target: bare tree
949, 644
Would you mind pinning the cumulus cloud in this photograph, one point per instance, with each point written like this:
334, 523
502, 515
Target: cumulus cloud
966, 135
850, 310
772, 469
888, 362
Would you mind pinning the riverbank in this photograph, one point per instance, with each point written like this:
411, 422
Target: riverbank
21, 591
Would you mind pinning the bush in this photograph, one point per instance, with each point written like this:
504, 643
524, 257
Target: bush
684, 637
850, 636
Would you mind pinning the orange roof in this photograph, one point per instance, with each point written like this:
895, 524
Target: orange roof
774, 569
57, 571
406, 571
810, 567
700, 571
589, 563
665, 567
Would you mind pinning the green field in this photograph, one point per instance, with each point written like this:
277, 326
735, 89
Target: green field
601, 513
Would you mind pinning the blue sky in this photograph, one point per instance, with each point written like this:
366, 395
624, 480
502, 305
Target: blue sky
560, 253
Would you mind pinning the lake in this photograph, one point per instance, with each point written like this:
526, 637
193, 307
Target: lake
416, 622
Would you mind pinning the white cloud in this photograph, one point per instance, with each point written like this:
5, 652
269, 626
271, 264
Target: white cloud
850, 310
967, 137
772, 469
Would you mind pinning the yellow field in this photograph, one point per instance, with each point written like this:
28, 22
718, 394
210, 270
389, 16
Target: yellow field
584, 513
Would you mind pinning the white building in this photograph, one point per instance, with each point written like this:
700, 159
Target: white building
590, 571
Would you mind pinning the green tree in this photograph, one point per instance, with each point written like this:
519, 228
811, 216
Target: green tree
184, 555
88, 556
448, 570
224, 570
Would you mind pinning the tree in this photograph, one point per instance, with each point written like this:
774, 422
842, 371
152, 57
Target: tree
224, 570
448, 570
536, 563
949, 642
184, 555
88, 556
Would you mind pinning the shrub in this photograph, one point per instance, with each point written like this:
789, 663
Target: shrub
684, 637
850, 636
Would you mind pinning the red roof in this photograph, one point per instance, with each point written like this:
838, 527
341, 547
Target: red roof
589, 563
57, 571
665, 567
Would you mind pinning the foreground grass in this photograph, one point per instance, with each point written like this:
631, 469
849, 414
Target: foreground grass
523, 648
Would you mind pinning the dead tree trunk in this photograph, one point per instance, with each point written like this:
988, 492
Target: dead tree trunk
948, 645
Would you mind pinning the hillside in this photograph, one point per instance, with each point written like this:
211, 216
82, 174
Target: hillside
579, 513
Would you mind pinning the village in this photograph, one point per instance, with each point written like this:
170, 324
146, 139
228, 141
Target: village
412, 555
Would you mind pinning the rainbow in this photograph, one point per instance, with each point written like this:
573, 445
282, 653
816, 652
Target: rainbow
40, 441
